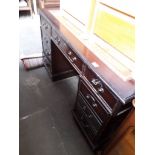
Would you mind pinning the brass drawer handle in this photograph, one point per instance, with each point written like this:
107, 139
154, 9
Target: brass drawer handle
74, 59
70, 53
94, 105
88, 96
96, 82
101, 90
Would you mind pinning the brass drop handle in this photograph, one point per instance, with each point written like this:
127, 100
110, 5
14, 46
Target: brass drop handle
96, 82
88, 96
94, 105
74, 59
70, 53
101, 90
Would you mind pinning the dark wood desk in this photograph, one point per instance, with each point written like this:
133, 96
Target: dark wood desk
103, 98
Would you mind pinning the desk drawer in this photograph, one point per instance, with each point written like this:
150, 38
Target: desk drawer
59, 41
47, 63
45, 26
54, 35
62, 44
47, 54
87, 119
75, 60
100, 87
98, 108
46, 45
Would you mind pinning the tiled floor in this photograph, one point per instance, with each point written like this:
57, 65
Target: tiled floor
46, 123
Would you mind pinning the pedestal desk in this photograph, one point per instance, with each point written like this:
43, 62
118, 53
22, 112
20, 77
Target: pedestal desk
103, 98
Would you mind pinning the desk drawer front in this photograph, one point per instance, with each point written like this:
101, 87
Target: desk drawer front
47, 63
87, 118
75, 60
46, 44
96, 105
100, 87
47, 55
54, 35
59, 41
63, 45
45, 26
46, 47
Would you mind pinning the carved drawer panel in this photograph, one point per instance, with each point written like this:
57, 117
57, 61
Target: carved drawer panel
98, 107
100, 87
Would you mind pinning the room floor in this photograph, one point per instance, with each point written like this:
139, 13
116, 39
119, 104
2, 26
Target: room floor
46, 123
